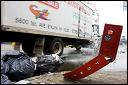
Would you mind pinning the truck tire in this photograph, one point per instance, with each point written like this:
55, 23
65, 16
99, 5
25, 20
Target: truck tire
57, 46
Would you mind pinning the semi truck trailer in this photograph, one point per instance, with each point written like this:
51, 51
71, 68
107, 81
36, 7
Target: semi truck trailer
47, 26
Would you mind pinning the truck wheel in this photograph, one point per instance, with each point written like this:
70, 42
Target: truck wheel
57, 46
78, 47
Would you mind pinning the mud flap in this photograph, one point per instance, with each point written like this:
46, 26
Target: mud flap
39, 46
108, 50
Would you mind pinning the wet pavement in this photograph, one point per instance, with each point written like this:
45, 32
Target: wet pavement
114, 73
75, 58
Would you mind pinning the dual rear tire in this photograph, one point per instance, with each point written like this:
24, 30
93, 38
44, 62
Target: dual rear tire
51, 46
54, 46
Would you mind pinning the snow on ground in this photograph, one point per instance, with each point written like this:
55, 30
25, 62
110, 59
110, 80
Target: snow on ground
120, 63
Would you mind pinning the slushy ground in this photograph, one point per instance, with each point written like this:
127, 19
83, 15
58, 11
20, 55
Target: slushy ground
114, 73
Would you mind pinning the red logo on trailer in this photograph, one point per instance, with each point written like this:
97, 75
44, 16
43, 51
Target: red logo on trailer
42, 14
52, 4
